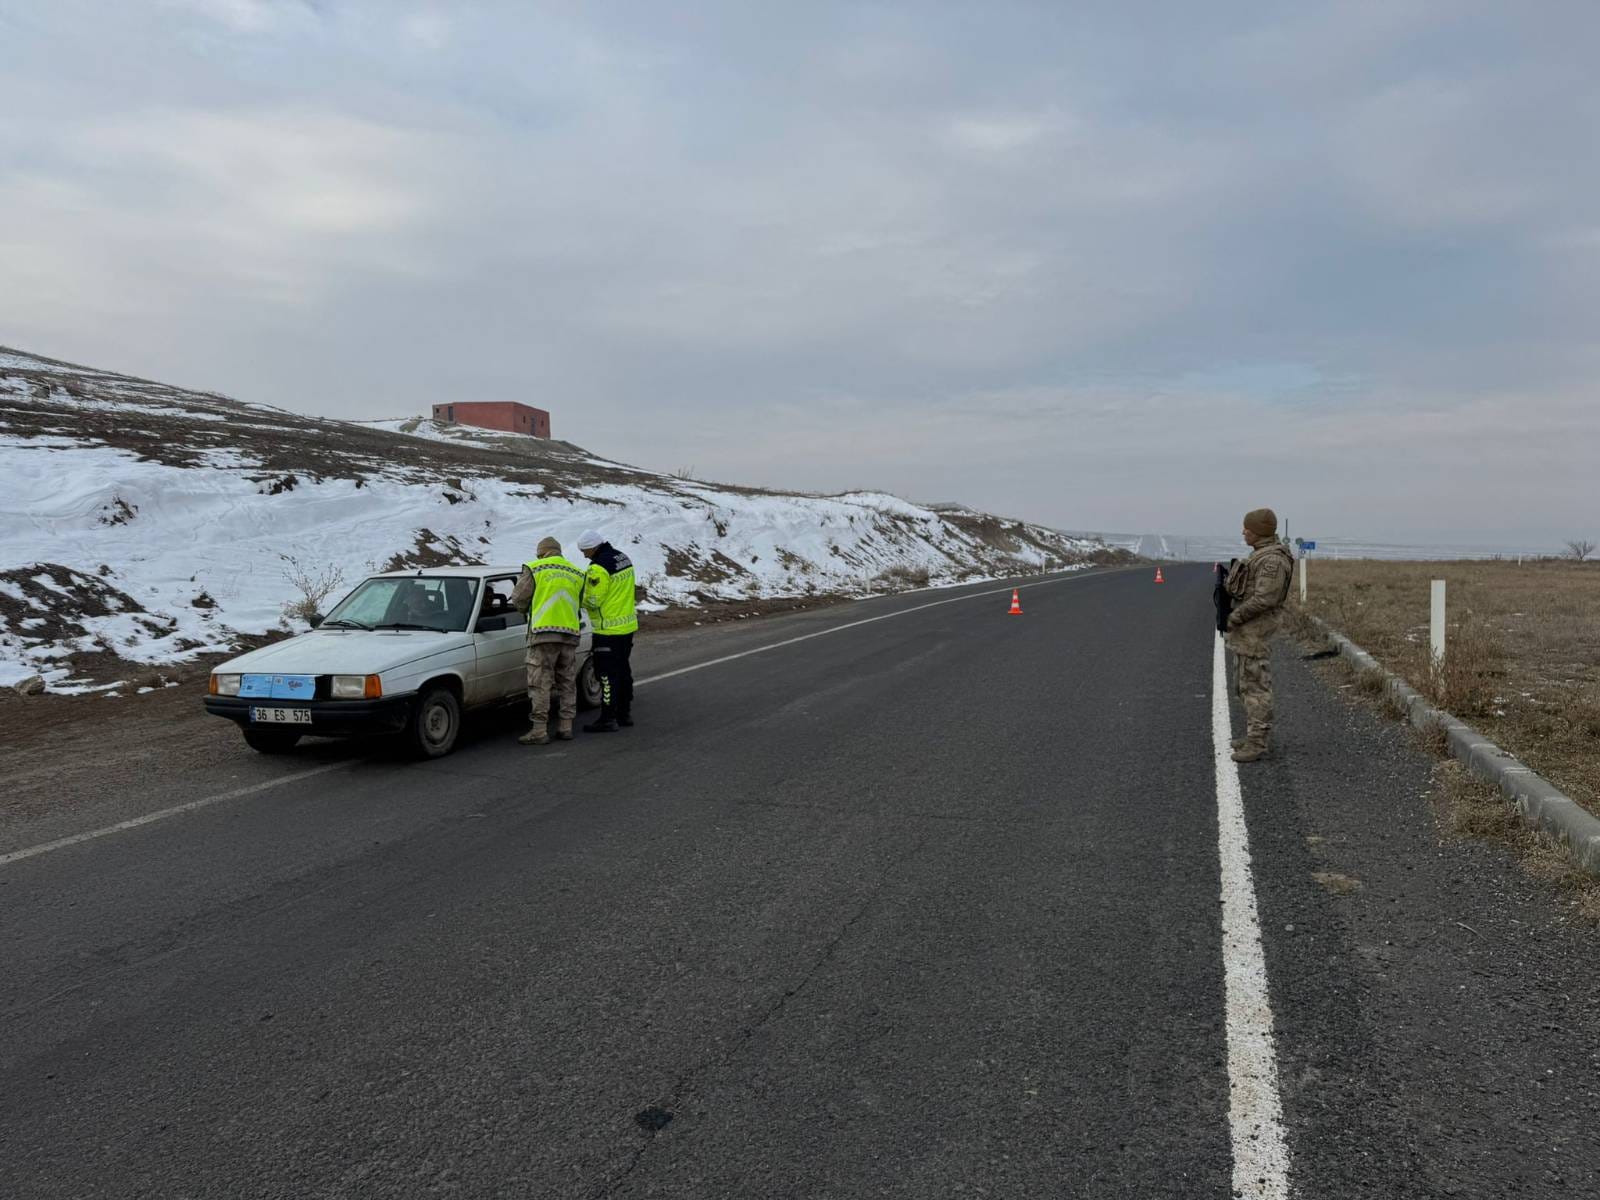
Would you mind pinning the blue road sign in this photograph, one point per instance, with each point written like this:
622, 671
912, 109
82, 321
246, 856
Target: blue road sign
1308, 545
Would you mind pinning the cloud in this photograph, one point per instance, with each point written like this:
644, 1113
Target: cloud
1413, 155
248, 16
271, 173
426, 30
236, 208
1014, 261
995, 134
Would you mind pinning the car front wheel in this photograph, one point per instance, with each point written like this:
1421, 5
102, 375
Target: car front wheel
270, 741
435, 723
589, 693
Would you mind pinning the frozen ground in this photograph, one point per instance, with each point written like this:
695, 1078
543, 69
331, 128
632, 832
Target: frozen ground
146, 524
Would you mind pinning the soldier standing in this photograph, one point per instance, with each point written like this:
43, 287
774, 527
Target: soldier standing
549, 591
1258, 585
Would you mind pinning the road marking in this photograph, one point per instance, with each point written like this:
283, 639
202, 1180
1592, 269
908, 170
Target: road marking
1255, 1111
180, 809
163, 814
904, 612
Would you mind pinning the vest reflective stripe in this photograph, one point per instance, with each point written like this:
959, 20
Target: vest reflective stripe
609, 598
557, 586
556, 599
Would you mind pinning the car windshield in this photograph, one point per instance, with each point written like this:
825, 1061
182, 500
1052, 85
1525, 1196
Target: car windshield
438, 602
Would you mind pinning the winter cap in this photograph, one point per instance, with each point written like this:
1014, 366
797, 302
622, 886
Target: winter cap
1262, 522
549, 547
589, 539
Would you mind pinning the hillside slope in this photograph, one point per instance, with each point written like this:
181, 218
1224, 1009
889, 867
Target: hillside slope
146, 524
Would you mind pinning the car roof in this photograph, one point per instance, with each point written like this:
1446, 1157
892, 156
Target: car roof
470, 571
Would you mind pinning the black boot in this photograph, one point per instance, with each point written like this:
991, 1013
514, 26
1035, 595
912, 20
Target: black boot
625, 720
603, 725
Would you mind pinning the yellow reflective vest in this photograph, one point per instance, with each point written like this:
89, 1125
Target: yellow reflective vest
557, 593
608, 593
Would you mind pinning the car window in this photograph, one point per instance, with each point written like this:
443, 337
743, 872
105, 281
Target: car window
497, 600
436, 602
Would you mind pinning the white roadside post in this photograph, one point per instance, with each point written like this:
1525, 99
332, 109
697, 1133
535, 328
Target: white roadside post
1305, 561
1436, 625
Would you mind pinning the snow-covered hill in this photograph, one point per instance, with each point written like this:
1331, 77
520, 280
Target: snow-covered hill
147, 524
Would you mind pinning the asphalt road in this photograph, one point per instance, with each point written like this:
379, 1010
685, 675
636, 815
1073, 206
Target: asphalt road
927, 906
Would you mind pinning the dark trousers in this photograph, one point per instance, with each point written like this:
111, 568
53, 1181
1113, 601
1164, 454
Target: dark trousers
611, 665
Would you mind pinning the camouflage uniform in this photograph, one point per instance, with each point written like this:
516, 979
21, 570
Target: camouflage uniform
1259, 585
552, 662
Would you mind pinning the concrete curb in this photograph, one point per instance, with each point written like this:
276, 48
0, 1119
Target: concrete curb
1539, 802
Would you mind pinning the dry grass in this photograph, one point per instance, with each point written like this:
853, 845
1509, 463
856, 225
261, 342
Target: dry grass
900, 578
1469, 807
1522, 659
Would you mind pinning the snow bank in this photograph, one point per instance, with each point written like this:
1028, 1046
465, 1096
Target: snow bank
114, 554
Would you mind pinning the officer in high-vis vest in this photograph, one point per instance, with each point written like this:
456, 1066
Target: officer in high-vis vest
550, 591
608, 598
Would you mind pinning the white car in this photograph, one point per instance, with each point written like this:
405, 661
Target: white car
405, 652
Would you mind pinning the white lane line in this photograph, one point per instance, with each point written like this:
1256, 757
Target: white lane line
163, 814
904, 612
180, 809
1255, 1111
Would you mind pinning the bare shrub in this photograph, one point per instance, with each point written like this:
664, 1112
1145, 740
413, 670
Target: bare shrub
902, 577
1474, 664
1584, 714
1110, 556
1301, 625
313, 583
1392, 704
1580, 549
1371, 681
1435, 739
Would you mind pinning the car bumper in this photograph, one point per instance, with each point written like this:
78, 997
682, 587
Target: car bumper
328, 717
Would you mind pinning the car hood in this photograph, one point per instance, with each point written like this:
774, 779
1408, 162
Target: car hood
344, 652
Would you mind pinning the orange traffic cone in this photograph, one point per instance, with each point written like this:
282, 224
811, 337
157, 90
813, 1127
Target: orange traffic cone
1016, 604
1158, 576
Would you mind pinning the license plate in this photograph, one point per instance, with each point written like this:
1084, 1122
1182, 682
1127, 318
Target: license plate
281, 716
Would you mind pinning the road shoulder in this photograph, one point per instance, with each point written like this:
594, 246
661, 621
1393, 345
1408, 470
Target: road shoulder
1390, 942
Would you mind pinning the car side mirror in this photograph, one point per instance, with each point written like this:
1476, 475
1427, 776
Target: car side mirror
491, 624
314, 620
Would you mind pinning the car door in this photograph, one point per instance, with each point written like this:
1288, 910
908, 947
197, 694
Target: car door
501, 651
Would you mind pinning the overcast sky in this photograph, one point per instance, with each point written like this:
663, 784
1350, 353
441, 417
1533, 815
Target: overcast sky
1105, 265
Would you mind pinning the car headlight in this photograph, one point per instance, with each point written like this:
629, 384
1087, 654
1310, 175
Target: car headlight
356, 687
225, 685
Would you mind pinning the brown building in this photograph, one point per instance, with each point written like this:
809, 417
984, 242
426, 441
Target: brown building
505, 415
